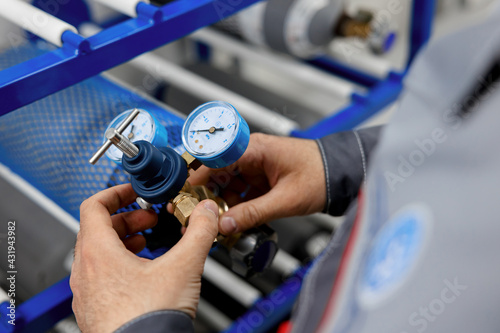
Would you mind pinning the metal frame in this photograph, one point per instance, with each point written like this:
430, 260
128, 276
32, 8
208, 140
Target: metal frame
41, 312
81, 58
381, 93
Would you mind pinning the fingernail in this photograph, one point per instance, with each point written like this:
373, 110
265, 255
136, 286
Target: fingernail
212, 206
228, 225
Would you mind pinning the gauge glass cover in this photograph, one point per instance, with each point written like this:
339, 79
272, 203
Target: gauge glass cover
142, 128
211, 130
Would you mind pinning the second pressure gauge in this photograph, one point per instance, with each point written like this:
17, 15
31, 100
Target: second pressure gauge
216, 134
144, 127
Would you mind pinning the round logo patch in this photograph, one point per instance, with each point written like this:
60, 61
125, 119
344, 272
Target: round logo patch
393, 254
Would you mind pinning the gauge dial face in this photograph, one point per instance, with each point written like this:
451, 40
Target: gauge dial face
142, 128
210, 131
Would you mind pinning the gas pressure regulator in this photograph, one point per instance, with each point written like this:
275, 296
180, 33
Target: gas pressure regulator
214, 135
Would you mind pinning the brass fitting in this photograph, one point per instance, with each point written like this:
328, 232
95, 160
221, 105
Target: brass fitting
184, 204
223, 207
187, 188
191, 161
357, 26
202, 192
228, 241
189, 197
250, 252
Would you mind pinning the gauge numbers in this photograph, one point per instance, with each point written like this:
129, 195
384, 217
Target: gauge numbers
212, 131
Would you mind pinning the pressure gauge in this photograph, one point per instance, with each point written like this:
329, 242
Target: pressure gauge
215, 134
303, 28
143, 127
308, 28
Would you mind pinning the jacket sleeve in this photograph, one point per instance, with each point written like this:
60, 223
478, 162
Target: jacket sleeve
159, 322
346, 156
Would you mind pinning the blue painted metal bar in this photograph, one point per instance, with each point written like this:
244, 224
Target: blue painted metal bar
41, 312
270, 311
337, 68
361, 108
421, 26
81, 58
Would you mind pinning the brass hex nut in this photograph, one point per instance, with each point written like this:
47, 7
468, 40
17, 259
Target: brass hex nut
184, 205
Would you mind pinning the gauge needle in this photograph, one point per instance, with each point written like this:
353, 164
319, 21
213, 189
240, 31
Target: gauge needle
211, 130
131, 134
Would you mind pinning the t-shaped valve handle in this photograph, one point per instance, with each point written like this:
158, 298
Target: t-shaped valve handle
119, 140
157, 174
122, 143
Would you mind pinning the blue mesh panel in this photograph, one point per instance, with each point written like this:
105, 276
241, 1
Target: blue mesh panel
50, 141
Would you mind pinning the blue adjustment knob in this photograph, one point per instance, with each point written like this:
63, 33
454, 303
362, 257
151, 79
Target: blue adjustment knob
158, 174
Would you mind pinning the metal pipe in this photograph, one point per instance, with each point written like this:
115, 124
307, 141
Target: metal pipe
285, 263
35, 20
230, 283
41, 199
264, 119
306, 74
5, 298
127, 7
212, 316
350, 55
326, 221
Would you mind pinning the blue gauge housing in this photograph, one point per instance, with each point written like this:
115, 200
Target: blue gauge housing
160, 138
224, 151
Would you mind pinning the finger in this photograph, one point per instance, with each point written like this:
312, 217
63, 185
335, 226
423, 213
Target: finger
135, 243
76, 251
170, 208
275, 204
95, 211
200, 176
201, 232
215, 178
129, 223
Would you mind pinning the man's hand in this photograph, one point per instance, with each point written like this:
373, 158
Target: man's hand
111, 285
281, 177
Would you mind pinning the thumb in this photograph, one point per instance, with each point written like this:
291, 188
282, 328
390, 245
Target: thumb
201, 231
252, 213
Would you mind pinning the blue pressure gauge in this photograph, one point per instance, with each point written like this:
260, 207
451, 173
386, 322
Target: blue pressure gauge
144, 127
215, 134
